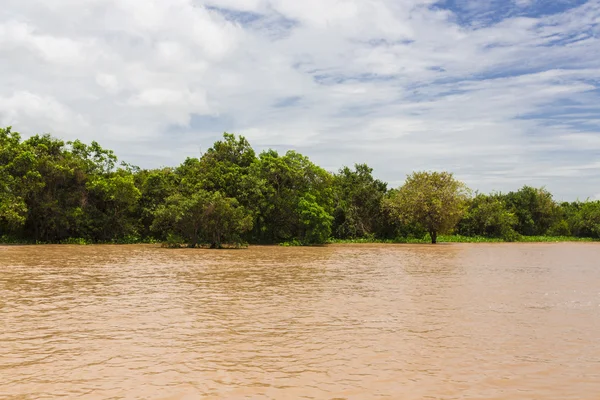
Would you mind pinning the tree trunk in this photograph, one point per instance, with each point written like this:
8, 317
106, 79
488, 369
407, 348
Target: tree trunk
433, 235
194, 240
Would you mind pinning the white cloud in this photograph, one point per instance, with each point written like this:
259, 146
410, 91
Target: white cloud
108, 82
524, 3
401, 85
42, 114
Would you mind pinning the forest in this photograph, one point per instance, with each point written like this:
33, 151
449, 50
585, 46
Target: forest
52, 191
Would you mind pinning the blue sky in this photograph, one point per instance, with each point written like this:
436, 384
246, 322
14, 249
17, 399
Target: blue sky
503, 93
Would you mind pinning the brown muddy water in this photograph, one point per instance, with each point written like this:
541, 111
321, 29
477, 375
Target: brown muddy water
462, 321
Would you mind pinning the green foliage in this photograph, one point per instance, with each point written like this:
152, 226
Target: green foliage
173, 241
434, 200
586, 221
53, 191
535, 210
488, 216
560, 228
203, 216
292, 243
79, 241
316, 222
115, 199
284, 181
155, 187
358, 202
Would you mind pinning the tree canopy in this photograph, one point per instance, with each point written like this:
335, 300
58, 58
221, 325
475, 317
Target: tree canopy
53, 191
434, 200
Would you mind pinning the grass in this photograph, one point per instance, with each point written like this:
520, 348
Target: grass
466, 239
553, 239
424, 240
5, 239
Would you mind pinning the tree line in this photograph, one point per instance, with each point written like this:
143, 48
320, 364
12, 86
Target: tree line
54, 191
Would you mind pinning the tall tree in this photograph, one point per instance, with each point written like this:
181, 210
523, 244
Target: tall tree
434, 200
285, 180
535, 209
315, 221
358, 202
14, 178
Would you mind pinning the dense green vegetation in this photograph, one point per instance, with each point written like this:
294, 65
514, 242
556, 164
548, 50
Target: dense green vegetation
53, 191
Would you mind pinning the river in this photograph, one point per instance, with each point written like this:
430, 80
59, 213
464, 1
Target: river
460, 321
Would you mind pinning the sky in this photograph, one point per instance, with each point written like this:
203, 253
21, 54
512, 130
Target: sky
501, 92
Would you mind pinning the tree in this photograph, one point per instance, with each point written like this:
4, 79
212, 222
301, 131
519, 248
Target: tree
284, 181
316, 222
13, 177
587, 220
181, 216
488, 216
203, 217
434, 200
535, 209
52, 191
358, 200
114, 199
225, 220
155, 187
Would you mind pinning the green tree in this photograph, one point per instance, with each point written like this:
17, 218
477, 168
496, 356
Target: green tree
51, 190
434, 200
225, 220
55, 189
14, 169
488, 216
358, 203
535, 209
285, 180
155, 187
203, 217
316, 222
586, 222
114, 201
181, 216
224, 168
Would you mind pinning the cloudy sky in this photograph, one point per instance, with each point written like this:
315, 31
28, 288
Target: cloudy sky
501, 92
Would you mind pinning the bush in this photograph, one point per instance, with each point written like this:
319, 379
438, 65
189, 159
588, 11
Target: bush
173, 241
80, 241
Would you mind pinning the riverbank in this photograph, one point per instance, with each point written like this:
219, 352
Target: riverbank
425, 240
467, 239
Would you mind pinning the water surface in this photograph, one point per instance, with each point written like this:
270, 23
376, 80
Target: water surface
497, 321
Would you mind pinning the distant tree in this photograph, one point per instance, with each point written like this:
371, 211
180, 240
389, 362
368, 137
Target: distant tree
488, 216
52, 191
207, 217
284, 182
434, 200
358, 202
587, 220
316, 222
535, 209
155, 187
225, 220
13, 178
114, 198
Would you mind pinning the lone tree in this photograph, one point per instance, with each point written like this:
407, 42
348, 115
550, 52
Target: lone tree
434, 200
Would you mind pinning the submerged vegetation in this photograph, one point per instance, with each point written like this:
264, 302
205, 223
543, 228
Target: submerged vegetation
53, 191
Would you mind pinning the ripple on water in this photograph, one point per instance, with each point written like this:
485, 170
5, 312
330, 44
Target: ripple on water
337, 322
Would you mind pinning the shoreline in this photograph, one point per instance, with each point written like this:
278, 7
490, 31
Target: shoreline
443, 240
